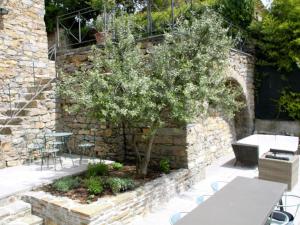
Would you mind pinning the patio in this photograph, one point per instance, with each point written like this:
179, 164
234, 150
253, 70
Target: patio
23, 178
222, 170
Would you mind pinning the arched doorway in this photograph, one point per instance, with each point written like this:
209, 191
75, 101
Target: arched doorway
242, 119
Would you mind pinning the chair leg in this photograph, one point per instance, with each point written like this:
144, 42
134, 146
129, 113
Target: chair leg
70, 155
42, 162
48, 158
93, 154
81, 153
60, 161
54, 159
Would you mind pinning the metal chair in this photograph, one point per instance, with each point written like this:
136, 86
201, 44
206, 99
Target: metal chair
278, 217
289, 205
33, 144
51, 149
217, 185
176, 217
87, 145
201, 199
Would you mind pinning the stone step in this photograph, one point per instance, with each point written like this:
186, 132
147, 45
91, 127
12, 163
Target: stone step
27, 220
5, 131
11, 112
43, 80
32, 104
11, 121
35, 89
13, 211
29, 96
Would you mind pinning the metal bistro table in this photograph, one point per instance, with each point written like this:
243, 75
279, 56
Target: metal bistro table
64, 139
243, 201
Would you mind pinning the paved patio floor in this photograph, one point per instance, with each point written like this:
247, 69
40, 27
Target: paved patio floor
222, 170
22, 178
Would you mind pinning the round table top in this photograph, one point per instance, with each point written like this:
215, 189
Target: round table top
59, 134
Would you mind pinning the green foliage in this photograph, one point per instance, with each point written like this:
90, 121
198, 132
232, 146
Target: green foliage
278, 35
67, 183
162, 19
117, 166
98, 169
94, 185
100, 23
164, 165
117, 184
55, 8
101, 4
179, 80
290, 102
239, 12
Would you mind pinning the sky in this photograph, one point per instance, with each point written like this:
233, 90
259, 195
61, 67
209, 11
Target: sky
266, 2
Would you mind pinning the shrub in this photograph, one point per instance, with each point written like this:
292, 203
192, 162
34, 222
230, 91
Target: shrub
117, 166
98, 169
67, 183
164, 165
117, 184
94, 185
290, 102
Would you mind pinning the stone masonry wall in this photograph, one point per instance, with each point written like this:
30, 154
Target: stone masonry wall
241, 71
24, 69
111, 210
109, 140
193, 146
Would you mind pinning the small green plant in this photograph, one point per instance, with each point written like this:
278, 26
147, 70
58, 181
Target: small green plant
98, 169
100, 23
94, 185
117, 166
290, 102
67, 183
117, 184
164, 165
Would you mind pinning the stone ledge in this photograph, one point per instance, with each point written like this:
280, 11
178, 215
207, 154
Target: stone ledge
121, 208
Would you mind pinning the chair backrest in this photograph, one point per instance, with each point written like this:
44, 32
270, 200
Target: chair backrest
34, 141
290, 203
246, 154
176, 217
88, 138
217, 185
278, 217
201, 199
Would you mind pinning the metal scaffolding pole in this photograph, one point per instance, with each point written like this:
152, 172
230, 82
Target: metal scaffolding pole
149, 17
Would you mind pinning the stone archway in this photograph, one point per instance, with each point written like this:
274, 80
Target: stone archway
242, 119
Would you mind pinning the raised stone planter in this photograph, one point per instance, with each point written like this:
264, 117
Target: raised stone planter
111, 210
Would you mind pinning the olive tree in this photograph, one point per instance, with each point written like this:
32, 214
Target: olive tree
178, 80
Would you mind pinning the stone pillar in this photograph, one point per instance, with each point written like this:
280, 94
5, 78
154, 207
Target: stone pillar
24, 70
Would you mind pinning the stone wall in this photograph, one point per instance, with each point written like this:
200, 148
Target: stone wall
109, 140
192, 146
278, 127
241, 71
111, 210
24, 70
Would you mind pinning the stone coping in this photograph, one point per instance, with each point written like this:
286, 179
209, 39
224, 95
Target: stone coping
110, 209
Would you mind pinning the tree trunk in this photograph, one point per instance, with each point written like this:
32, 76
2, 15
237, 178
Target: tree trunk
142, 167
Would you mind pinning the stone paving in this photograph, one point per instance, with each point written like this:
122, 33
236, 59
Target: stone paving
222, 170
23, 178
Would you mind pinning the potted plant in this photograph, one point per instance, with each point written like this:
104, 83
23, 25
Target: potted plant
100, 34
